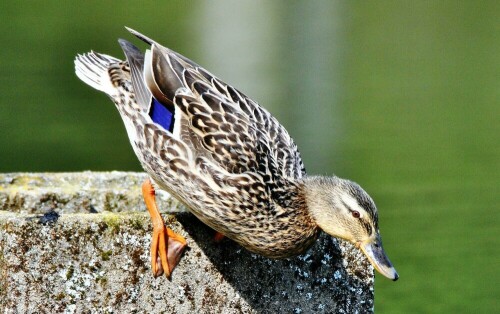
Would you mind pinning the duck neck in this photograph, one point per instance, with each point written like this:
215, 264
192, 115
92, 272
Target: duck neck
320, 195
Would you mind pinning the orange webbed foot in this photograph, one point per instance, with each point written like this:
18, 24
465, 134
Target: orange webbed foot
166, 245
218, 237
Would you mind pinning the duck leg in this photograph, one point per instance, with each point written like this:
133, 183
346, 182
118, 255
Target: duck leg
165, 243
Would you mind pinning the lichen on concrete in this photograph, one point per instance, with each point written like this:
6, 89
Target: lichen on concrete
94, 257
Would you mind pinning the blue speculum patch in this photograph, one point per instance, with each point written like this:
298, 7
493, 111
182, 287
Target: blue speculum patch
162, 115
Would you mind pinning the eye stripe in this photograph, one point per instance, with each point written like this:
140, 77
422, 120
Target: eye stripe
366, 225
368, 228
349, 207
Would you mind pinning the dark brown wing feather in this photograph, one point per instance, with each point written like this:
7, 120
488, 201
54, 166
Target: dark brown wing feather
239, 135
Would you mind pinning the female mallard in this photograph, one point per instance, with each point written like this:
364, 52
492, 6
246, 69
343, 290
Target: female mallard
232, 163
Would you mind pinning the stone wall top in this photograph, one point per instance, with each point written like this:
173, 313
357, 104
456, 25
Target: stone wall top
79, 242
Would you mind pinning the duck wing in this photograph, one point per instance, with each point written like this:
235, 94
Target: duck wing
226, 129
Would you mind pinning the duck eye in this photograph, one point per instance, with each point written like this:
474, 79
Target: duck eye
355, 214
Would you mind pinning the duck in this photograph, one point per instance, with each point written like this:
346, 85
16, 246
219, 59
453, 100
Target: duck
233, 165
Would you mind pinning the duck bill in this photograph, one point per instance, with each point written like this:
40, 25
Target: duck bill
374, 250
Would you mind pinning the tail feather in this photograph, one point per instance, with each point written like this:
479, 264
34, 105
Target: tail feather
142, 37
92, 68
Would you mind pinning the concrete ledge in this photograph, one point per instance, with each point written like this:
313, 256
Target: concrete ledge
94, 258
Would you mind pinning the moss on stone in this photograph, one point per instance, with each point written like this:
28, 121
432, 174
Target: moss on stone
113, 221
105, 255
70, 272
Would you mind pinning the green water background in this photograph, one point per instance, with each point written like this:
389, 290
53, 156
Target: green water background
400, 96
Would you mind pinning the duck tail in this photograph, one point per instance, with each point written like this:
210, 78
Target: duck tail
93, 69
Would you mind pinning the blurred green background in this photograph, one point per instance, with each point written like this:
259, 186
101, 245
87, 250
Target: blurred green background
400, 96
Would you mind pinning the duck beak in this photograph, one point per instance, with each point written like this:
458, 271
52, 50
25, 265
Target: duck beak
374, 250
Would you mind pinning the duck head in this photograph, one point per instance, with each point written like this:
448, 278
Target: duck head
343, 209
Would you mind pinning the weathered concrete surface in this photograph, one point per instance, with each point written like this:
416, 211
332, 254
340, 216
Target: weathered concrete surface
95, 257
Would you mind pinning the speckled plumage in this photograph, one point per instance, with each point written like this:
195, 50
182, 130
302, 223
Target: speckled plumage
228, 159
232, 163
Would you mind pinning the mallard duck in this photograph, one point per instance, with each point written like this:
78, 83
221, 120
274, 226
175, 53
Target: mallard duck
228, 159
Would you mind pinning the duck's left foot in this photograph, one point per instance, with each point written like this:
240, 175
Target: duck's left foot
219, 237
166, 245
166, 250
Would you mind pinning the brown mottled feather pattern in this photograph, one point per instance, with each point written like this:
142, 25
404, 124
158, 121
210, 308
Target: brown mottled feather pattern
232, 163
227, 158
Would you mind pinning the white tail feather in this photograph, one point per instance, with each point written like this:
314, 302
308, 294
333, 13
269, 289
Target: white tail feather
92, 68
